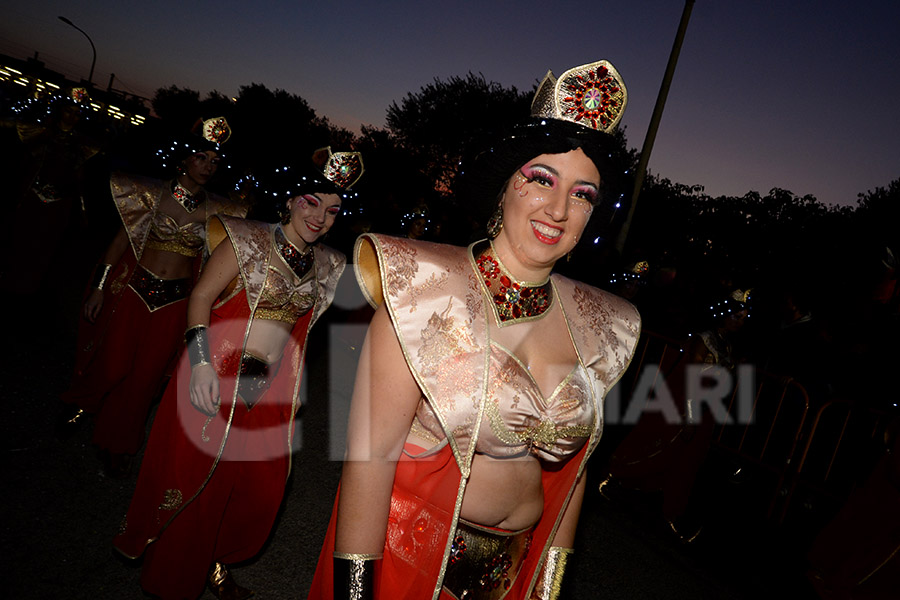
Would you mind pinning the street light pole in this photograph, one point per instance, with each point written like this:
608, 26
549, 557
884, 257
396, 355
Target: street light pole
94, 60
654, 124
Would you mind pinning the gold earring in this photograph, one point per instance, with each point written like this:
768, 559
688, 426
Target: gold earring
495, 223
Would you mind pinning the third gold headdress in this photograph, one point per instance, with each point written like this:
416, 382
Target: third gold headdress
592, 95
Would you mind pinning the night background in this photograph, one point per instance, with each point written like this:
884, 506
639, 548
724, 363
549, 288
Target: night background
774, 169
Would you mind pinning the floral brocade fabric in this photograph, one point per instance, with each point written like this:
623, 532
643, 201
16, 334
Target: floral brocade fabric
137, 200
166, 234
268, 290
439, 307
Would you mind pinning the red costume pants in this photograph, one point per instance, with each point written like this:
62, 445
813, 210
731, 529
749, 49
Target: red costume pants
126, 373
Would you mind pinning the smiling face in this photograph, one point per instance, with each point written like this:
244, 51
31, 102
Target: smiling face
312, 215
546, 206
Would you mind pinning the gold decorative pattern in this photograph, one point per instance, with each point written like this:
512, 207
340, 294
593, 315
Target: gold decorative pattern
251, 239
401, 268
414, 526
592, 95
447, 347
283, 300
176, 247
523, 421
330, 264
166, 234
216, 130
118, 284
352, 556
433, 282
484, 562
596, 324
441, 338
550, 583
420, 430
172, 499
456, 388
343, 168
155, 292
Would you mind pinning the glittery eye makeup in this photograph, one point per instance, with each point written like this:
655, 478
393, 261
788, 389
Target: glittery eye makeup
540, 175
583, 205
587, 193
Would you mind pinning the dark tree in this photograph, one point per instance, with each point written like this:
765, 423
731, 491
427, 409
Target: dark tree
177, 107
878, 213
216, 104
274, 126
443, 120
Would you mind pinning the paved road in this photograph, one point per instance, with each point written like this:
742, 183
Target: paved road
60, 512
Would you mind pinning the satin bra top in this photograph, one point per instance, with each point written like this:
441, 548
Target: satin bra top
166, 234
281, 300
518, 420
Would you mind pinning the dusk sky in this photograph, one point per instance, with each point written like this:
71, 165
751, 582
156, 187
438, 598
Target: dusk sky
796, 94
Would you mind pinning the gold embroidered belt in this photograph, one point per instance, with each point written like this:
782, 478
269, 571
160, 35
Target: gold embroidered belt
155, 292
254, 379
173, 246
484, 561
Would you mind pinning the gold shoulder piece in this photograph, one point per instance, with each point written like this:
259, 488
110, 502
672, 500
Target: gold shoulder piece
367, 272
215, 232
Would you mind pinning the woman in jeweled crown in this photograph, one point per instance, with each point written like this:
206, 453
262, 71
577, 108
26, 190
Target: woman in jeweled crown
479, 393
219, 454
134, 312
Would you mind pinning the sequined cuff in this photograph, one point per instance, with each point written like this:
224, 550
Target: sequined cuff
101, 272
354, 576
550, 582
197, 343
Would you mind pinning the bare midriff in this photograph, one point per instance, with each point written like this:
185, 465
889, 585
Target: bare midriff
267, 339
167, 265
501, 492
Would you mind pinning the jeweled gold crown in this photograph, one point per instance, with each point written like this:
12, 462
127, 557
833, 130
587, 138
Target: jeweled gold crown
591, 95
79, 94
216, 130
341, 168
640, 267
741, 295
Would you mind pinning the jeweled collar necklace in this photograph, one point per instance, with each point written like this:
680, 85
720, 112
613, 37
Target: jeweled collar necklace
300, 261
513, 301
185, 198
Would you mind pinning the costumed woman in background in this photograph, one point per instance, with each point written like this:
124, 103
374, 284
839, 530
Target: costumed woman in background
480, 388
214, 472
48, 189
134, 314
664, 453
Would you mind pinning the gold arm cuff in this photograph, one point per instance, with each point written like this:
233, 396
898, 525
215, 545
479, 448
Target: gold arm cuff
352, 556
101, 272
354, 576
550, 583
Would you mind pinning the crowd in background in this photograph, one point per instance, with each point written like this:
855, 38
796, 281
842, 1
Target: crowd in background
824, 313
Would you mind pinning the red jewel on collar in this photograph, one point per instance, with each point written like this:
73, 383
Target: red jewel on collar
512, 300
187, 200
299, 262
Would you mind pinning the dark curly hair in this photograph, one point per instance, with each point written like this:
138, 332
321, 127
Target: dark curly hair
483, 177
276, 187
